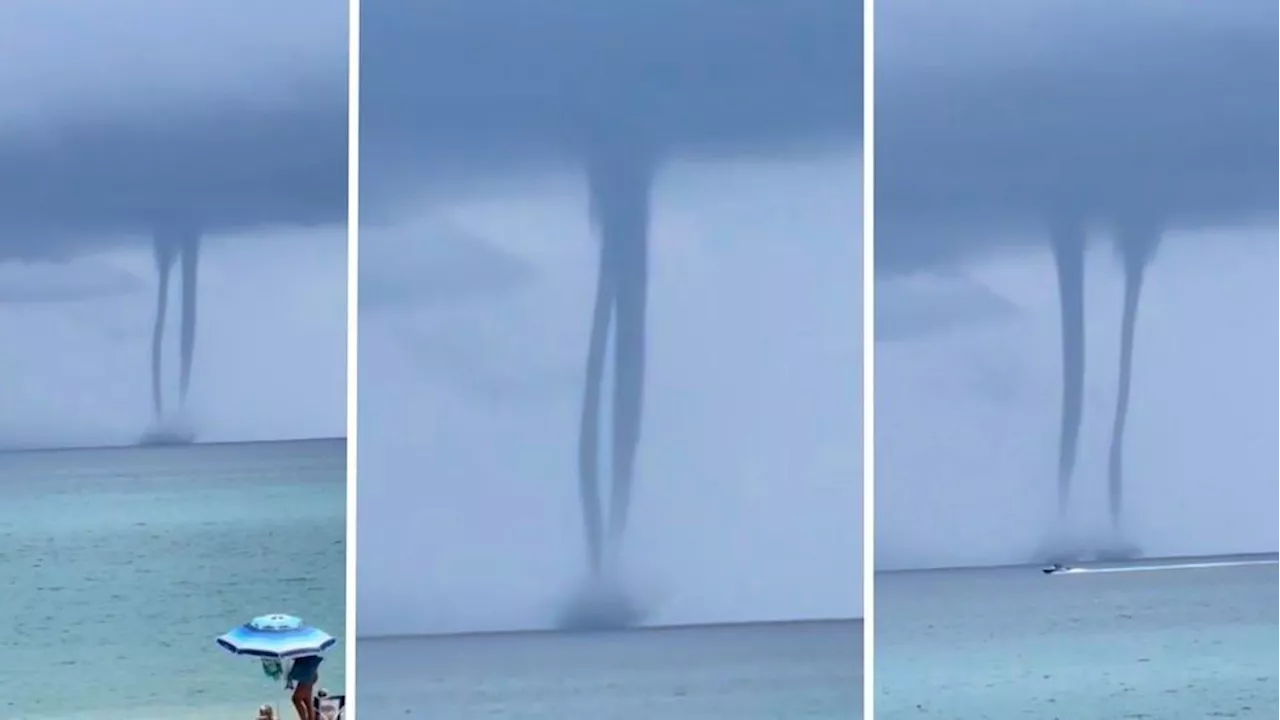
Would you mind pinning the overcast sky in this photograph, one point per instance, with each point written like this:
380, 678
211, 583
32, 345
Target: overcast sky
270, 358
1117, 110
967, 418
748, 497
156, 55
270, 352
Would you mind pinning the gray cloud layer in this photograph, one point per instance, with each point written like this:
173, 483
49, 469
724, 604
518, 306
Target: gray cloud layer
994, 119
122, 116
454, 88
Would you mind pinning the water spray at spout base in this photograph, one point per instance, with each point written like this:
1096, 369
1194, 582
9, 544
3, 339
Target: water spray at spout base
1067, 546
601, 604
167, 436
1119, 549
170, 430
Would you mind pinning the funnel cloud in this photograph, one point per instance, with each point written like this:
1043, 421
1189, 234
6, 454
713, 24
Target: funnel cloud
746, 479
1161, 134
161, 139
466, 102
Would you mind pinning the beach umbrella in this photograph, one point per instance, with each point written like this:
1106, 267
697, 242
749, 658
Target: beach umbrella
276, 636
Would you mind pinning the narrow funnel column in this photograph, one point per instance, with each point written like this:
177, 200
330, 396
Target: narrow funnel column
1136, 241
620, 181
173, 243
190, 266
165, 248
1067, 238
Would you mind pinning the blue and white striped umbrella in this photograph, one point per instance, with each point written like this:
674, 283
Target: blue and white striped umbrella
276, 636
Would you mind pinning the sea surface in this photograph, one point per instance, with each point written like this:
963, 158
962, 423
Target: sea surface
1013, 643
119, 566
769, 671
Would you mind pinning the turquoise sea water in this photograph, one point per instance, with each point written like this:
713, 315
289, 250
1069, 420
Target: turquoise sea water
770, 671
1011, 643
118, 567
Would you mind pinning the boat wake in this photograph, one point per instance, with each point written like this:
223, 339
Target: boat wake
1149, 566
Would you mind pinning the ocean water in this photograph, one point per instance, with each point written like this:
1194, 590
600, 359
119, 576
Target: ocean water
772, 671
119, 566
1010, 643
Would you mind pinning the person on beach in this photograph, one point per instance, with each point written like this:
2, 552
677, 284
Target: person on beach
325, 708
304, 673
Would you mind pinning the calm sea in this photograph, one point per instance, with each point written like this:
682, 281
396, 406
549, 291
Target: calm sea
1010, 643
775, 671
119, 566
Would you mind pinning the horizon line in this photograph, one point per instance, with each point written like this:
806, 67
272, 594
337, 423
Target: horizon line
637, 628
157, 446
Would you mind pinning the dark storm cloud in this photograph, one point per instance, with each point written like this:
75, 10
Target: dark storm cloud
992, 119
121, 116
457, 86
